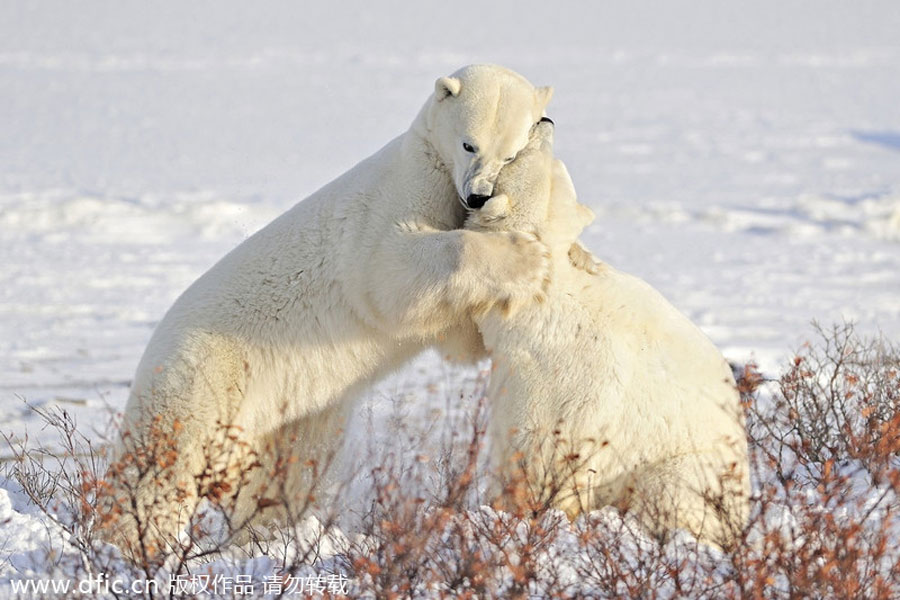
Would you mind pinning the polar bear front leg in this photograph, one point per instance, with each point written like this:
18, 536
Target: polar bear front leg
501, 268
475, 271
421, 281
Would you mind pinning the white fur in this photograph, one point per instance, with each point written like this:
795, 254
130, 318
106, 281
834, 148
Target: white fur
283, 333
630, 385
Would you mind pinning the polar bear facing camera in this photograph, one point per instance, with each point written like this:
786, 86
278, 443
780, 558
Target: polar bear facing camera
279, 338
605, 394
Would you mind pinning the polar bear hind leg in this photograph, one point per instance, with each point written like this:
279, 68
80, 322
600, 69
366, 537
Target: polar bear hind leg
295, 464
177, 445
685, 492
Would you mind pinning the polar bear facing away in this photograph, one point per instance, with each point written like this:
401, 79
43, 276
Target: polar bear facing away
605, 394
280, 336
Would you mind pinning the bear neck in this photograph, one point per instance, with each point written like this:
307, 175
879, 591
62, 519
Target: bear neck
427, 180
420, 133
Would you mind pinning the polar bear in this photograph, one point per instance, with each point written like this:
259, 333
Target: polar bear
605, 394
278, 338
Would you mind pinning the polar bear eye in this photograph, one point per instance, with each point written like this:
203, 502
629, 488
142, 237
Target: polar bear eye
468, 148
506, 161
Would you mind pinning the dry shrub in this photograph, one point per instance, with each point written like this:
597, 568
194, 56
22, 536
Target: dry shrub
86, 496
828, 450
824, 442
437, 542
825, 453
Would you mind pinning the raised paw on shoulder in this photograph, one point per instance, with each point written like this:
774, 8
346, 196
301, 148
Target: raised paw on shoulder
582, 258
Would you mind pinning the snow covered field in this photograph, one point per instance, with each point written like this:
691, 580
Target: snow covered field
743, 160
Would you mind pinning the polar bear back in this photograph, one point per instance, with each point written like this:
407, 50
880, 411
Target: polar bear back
607, 355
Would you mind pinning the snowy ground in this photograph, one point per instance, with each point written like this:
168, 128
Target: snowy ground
747, 164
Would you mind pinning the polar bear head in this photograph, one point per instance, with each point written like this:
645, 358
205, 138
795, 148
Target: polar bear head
477, 120
535, 194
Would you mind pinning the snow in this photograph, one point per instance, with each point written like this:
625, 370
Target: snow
745, 160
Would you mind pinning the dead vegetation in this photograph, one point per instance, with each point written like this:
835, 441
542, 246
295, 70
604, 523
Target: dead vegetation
825, 445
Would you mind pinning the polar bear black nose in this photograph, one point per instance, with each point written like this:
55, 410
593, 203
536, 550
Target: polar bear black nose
476, 200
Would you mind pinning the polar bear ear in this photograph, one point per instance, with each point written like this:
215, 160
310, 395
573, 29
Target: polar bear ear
542, 97
446, 86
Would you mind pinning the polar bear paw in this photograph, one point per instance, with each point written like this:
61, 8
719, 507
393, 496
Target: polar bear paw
513, 271
582, 258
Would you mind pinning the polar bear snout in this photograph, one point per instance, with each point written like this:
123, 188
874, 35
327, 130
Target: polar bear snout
478, 182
